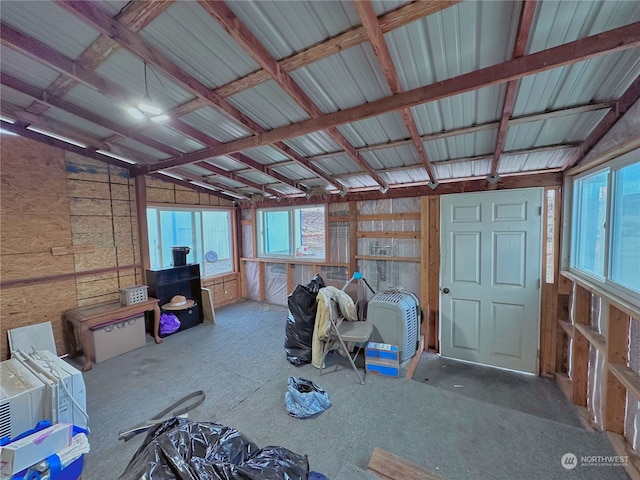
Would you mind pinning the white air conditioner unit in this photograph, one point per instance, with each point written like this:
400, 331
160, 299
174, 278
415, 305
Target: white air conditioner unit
22, 399
65, 392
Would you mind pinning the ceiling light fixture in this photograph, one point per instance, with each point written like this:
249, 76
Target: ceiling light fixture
146, 108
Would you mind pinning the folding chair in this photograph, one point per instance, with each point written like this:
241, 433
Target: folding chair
356, 332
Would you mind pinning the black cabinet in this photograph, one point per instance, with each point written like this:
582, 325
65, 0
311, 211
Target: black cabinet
184, 280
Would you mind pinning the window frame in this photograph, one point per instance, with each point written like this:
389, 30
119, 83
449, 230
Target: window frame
199, 231
261, 234
605, 281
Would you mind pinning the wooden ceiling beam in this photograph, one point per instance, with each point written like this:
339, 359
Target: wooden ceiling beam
98, 19
522, 38
222, 187
250, 44
237, 178
585, 48
41, 96
376, 38
626, 101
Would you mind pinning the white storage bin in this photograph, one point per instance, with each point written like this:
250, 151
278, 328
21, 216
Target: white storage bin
118, 337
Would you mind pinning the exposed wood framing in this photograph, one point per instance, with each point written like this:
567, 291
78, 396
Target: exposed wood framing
140, 185
522, 38
20, 282
580, 352
583, 49
616, 354
376, 38
353, 240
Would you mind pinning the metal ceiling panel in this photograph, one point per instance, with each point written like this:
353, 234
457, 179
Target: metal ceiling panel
173, 138
535, 161
227, 163
297, 172
23, 68
468, 145
375, 130
269, 105
341, 164
406, 175
567, 129
112, 7
78, 123
285, 27
127, 70
142, 148
471, 108
266, 155
346, 79
578, 83
203, 172
358, 181
97, 103
260, 178
476, 168
454, 41
561, 22
395, 157
42, 20
316, 143
16, 98
194, 41
215, 124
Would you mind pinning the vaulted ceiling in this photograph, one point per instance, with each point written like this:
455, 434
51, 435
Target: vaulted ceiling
277, 99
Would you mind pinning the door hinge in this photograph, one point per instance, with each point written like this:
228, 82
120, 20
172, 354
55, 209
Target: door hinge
539, 284
540, 211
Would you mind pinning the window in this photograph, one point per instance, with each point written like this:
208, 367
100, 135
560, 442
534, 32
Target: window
292, 232
605, 228
207, 232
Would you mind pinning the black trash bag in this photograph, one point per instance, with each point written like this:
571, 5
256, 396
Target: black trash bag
300, 321
181, 449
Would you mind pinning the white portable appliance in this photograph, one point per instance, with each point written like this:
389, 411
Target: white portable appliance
22, 399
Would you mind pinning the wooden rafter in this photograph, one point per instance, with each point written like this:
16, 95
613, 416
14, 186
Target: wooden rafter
237, 178
610, 41
98, 19
381, 50
522, 37
626, 101
243, 36
209, 180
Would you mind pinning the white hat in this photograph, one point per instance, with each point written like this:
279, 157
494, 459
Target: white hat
178, 302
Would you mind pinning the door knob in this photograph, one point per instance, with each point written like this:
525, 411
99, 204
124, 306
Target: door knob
445, 290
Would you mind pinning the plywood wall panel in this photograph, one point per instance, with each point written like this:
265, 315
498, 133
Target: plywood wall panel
118, 175
155, 182
29, 165
85, 302
90, 230
34, 233
121, 192
188, 197
31, 265
32, 304
90, 206
103, 257
161, 195
125, 255
121, 208
85, 189
122, 231
83, 168
95, 288
13, 199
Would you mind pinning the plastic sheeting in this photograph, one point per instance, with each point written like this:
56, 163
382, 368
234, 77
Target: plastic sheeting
390, 247
632, 419
339, 242
599, 314
595, 386
385, 274
253, 280
275, 283
302, 274
247, 241
183, 449
391, 205
334, 276
338, 209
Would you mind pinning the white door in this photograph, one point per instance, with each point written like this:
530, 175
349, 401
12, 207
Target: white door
490, 277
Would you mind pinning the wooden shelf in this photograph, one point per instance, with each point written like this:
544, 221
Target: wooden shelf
593, 337
628, 378
567, 327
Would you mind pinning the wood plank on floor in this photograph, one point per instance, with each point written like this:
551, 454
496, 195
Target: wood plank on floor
389, 466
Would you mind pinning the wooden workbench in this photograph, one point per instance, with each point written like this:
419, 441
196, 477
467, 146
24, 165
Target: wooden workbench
81, 320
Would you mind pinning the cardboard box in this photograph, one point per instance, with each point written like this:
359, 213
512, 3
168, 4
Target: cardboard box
382, 359
21, 454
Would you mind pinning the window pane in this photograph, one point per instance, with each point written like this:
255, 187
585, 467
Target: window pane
625, 239
276, 233
292, 232
217, 239
590, 210
310, 232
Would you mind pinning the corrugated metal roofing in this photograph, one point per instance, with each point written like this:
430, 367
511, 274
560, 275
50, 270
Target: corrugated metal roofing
269, 105
261, 178
215, 124
42, 21
127, 70
316, 143
106, 107
173, 138
340, 164
459, 146
358, 181
296, 172
567, 129
401, 156
561, 22
406, 175
227, 163
112, 7
14, 97
23, 68
535, 161
78, 123
142, 148
375, 130
266, 155
346, 79
477, 168
195, 42
285, 27
456, 40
